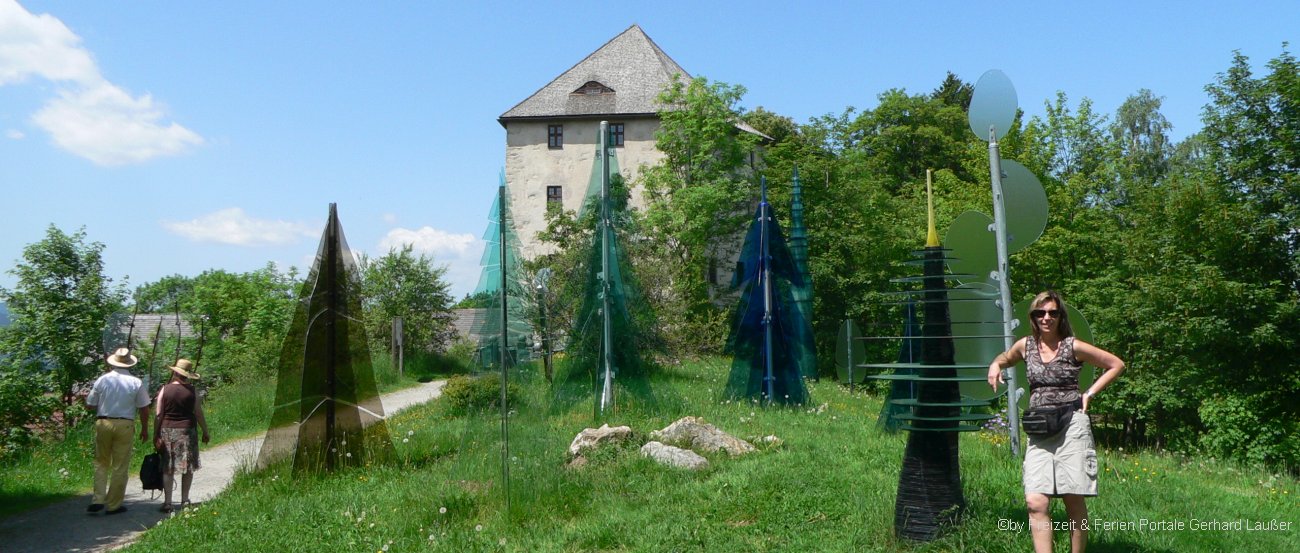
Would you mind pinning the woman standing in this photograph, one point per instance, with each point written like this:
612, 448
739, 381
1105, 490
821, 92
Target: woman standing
1064, 464
179, 411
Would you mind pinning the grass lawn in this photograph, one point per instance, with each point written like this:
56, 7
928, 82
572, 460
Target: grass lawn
55, 471
829, 487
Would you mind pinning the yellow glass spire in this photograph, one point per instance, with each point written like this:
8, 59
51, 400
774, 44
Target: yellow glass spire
931, 237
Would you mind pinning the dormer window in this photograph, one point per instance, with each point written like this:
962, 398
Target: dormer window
593, 87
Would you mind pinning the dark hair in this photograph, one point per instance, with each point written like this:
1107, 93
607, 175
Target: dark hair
1063, 327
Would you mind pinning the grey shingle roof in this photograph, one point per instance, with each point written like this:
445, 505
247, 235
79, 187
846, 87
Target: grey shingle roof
466, 320
630, 64
148, 323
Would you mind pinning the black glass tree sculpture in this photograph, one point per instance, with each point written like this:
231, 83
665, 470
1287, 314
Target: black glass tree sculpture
327, 410
765, 341
930, 496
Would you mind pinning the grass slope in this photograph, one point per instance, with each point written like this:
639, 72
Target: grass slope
830, 487
56, 471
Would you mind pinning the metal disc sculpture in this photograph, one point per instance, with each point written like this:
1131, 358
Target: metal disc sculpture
765, 341
981, 248
612, 321
327, 412
930, 496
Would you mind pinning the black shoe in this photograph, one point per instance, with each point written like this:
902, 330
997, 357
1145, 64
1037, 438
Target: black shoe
116, 511
95, 508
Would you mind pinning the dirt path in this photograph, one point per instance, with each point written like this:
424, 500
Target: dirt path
67, 527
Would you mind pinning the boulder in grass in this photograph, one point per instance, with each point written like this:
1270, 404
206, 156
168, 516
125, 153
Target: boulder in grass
595, 437
693, 433
674, 456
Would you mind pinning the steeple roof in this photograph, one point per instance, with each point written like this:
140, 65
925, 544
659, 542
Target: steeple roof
623, 77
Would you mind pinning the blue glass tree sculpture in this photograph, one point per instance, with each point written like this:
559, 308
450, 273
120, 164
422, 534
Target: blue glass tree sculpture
765, 342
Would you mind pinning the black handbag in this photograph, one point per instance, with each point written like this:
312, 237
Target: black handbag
1048, 421
151, 471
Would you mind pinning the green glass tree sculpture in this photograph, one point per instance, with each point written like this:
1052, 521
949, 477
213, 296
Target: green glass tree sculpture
803, 294
765, 342
502, 270
327, 410
612, 322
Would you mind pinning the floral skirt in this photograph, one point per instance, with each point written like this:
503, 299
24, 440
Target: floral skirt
181, 446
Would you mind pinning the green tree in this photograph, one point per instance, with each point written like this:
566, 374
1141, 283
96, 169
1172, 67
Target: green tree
401, 284
699, 198
242, 317
161, 296
61, 305
1252, 136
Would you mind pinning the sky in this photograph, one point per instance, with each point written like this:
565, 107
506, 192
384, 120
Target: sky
188, 136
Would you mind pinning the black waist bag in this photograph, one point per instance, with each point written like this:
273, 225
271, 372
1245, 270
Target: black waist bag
1048, 421
151, 472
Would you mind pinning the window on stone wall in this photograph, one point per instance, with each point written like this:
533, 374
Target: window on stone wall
555, 136
712, 276
554, 196
616, 135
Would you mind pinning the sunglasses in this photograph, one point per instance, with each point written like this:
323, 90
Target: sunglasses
1038, 313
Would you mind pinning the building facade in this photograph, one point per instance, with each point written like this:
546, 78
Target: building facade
551, 136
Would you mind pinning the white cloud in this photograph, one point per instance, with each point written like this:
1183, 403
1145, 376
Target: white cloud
90, 117
233, 226
40, 45
15, 134
459, 253
107, 126
428, 240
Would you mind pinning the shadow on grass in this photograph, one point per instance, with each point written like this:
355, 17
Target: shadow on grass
23, 501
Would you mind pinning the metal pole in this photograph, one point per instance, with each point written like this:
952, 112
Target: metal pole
154, 355
607, 386
130, 332
765, 269
505, 335
331, 306
1004, 286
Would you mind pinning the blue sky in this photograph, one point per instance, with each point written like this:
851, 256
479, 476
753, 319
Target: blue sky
195, 135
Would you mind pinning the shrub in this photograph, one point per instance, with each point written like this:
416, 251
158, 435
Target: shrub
1242, 428
26, 399
463, 394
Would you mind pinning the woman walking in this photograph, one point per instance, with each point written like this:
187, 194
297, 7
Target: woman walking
1063, 464
179, 412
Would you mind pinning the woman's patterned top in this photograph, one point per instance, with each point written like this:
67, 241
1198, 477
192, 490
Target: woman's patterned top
1056, 382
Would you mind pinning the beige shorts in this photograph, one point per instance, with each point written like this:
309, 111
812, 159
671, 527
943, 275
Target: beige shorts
1065, 463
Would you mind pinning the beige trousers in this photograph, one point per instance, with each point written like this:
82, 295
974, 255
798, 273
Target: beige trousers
113, 440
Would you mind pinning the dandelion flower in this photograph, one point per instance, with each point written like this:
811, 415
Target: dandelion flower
442, 510
478, 527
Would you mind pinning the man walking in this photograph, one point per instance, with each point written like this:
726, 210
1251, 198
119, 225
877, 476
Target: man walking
117, 397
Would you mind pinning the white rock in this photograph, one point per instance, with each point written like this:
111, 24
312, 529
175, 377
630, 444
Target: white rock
694, 433
674, 456
592, 437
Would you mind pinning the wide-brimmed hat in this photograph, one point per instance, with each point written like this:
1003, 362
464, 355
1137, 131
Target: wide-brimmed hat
184, 368
122, 358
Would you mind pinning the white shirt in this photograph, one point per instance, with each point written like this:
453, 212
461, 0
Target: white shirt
117, 394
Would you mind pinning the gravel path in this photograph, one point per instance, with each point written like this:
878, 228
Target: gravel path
67, 527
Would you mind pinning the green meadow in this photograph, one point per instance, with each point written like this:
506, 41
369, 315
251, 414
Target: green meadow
829, 486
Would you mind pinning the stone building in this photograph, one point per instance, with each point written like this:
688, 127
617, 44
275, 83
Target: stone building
551, 135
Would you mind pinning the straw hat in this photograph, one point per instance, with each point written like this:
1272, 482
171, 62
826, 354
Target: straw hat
184, 368
122, 358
